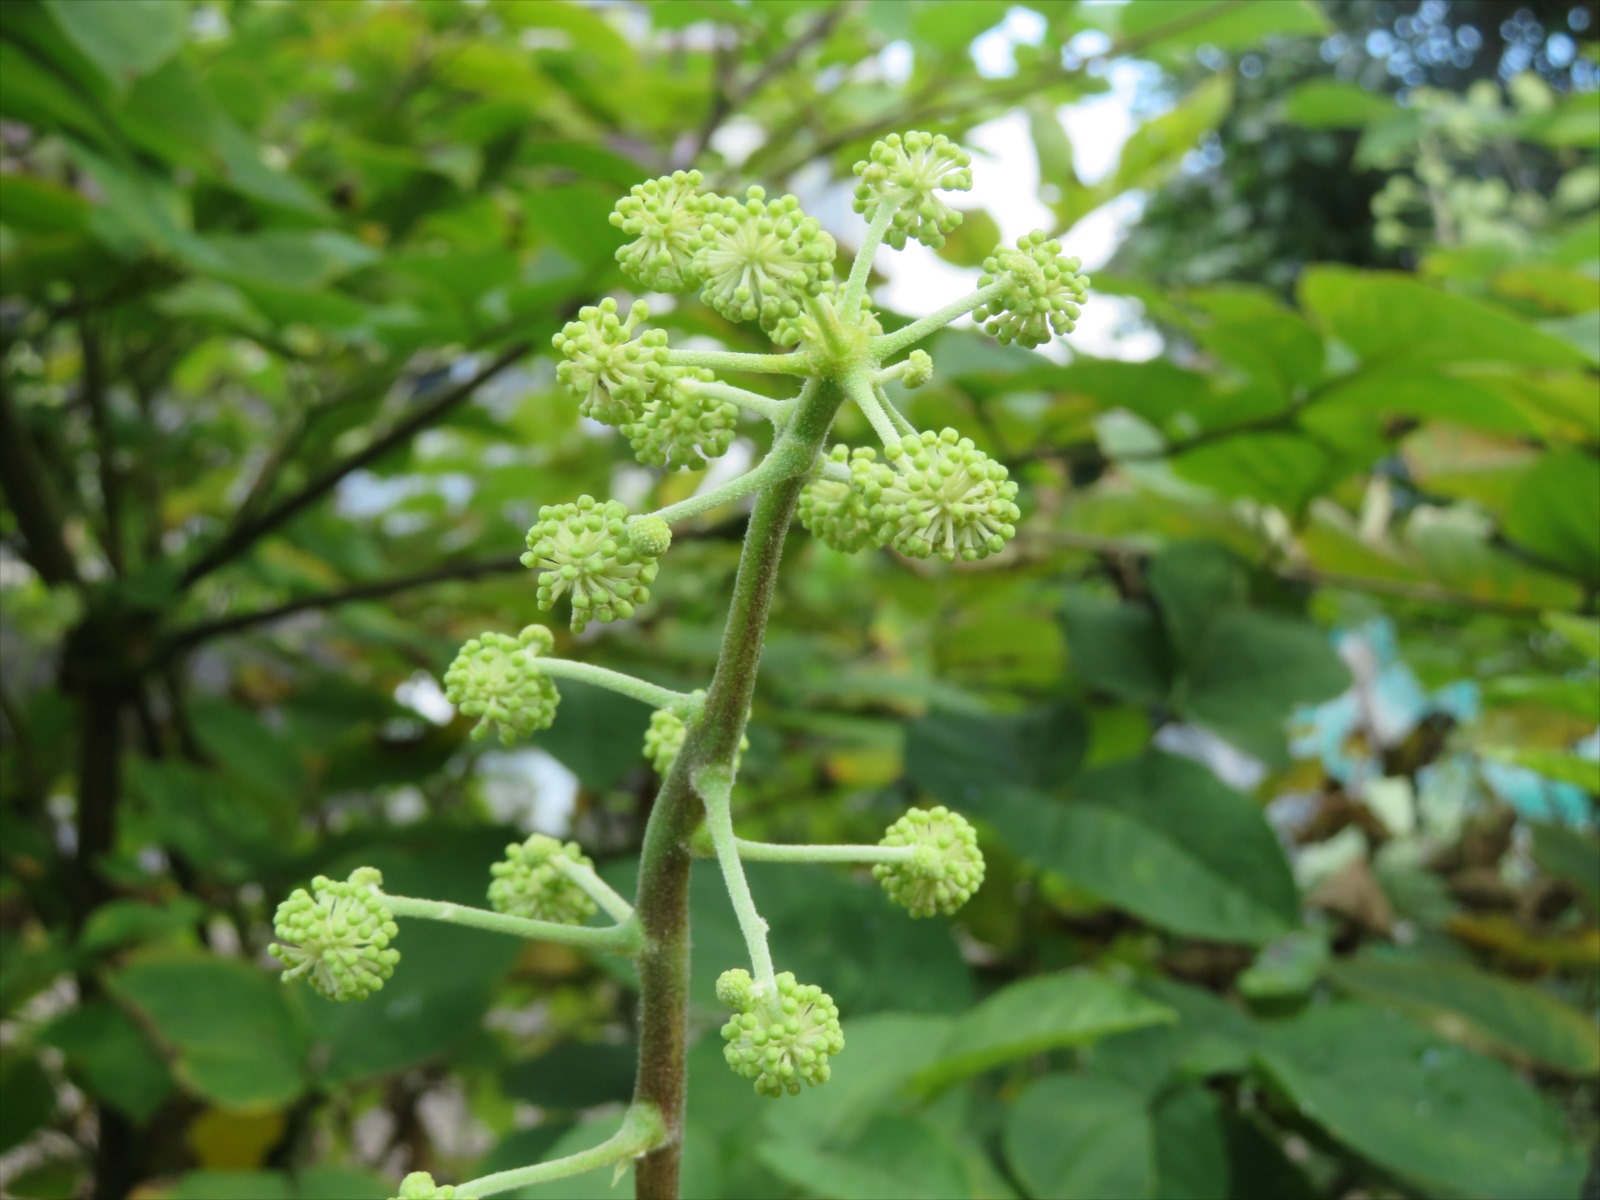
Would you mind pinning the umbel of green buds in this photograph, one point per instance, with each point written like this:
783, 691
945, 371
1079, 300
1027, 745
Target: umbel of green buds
663, 217
779, 1037
585, 549
337, 936
612, 372
419, 1185
944, 498
837, 511
495, 678
529, 882
907, 170
945, 867
1042, 291
759, 258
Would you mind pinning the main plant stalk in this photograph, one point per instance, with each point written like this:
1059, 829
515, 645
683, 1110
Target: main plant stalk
662, 902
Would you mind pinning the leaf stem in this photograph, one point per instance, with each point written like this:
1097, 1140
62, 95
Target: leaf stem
890, 344
642, 1131
597, 889
622, 938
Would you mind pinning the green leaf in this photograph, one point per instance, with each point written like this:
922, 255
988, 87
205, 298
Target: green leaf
1194, 583
123, 921
1556, 512
1251, 671
1166, 840
1191, 1154
1116, 648
125, 39
1450, 1121
234, 1185
1333, 104
1069, 1008
574, 1074
887, 1154
1559, 765
960, 757
36, 205
1581, 633
1459, 1000
112, 1058
1164, 29
1380, 313
340, 1183
228, 1023
1571, 856
1077, 1137
30, 1098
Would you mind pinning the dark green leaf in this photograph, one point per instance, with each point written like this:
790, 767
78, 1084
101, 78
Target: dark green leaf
1081, 1138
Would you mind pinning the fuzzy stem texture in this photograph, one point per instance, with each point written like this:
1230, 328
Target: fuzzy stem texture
642, 1130
774, 852
890, 344
729, 360
622, 938
713, 740
616, 681
861, 269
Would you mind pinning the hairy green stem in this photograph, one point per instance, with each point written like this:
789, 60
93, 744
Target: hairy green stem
597, 889
866, 398
773, 852
776, 411
895, 415
622, 938
861, 269
715, 785
642, 1130
890, 344
665, 861
728, 360
616, 681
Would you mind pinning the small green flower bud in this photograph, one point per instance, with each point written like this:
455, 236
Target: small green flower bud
945, 497
781, 1039
679, 428
946, 866
839, 514
664, 738
337, 936
1043, 291
612, 373
419, 1185
496, 679
736, 990
760, 258
584, 548
663, 218
650, 537
529, 882
919, 370
906, 170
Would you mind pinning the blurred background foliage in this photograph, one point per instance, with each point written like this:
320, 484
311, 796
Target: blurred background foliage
1278, 720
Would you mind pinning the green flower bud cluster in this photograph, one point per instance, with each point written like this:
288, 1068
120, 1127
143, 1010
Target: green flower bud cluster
945, 868
664, 738
585, 549
919, 370
837, 512
337, 936
944, 498
650, 537
759, 259
1042, 291
678, 428
419, 1185
779, 1040
905, 170
529, 882
612, 373
494, 678
805, 328
663, 217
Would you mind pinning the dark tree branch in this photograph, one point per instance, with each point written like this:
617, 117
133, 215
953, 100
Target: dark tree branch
248, 531
729, 100
105, 447
29, 491
205, 631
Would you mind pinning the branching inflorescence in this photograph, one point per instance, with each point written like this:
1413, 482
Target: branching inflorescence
922, 493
